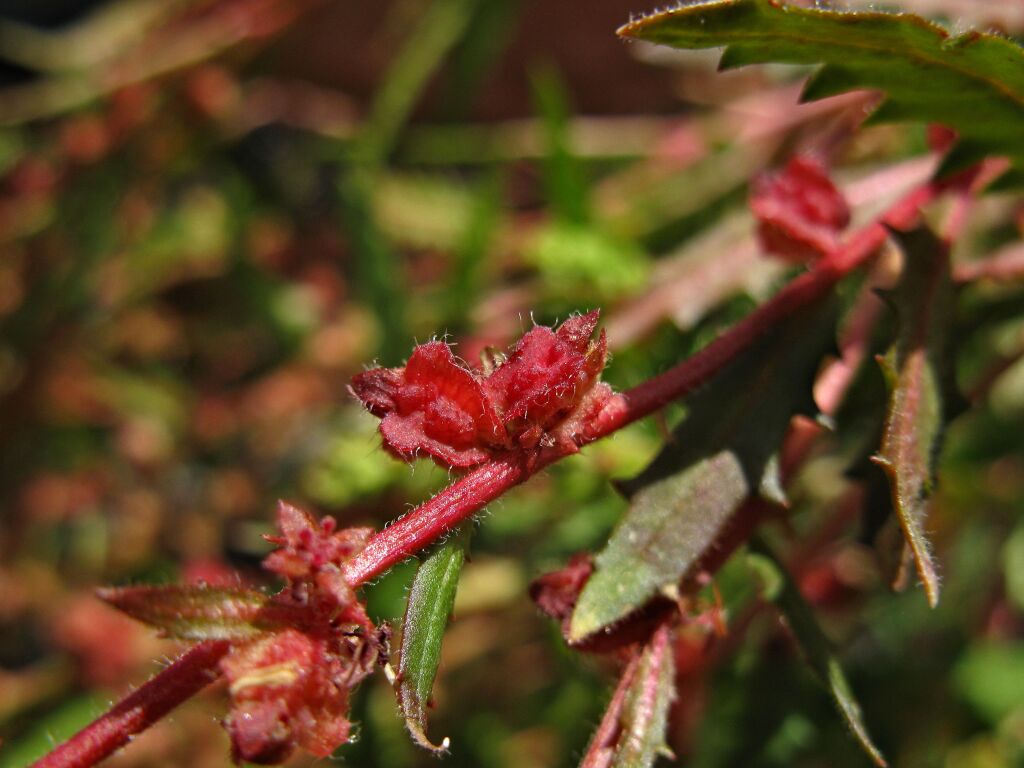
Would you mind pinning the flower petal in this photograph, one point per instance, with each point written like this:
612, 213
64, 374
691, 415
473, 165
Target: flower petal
377, 389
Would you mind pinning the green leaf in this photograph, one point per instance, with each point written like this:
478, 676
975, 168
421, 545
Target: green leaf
720, 455
194, 612
1013, 567
632, 732
426, 615
817, 650
972, 82
918, 371
564, 180
989, 678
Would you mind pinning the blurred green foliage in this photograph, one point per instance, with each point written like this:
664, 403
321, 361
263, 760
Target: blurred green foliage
195, 260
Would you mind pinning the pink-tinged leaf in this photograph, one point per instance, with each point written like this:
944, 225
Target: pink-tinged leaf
194, 612
917, 369
632, 732
800, 212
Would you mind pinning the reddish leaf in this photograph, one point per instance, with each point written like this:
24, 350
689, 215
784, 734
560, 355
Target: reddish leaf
193, 612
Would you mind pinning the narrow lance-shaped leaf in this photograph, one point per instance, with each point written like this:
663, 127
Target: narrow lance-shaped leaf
194, 612
816, 648
632, 732
973, 82
719, 456
917, 369
426, 617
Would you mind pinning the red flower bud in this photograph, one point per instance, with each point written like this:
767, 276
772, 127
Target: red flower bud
556, 593
800, 212
312, 554
543, 394
290, 687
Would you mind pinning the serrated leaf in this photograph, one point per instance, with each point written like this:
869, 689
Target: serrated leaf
632, 732
917, 368
426, 616
973, 82
817, 650
194, 612
719, 456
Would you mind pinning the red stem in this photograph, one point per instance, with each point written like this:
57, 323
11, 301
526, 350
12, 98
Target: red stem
434, 518
602, 743
192, 672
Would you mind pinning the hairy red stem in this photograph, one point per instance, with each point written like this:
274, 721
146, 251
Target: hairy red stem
602, 743
192, 672
434, 518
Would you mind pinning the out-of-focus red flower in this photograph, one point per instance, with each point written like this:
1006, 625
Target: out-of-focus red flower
799, 211
544, 394
85, 139
212, 91
940, 138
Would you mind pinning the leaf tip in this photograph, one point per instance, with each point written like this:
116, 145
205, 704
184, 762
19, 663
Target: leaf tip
419, 735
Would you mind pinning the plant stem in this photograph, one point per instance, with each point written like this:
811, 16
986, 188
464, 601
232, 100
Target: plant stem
192, 672
434, 518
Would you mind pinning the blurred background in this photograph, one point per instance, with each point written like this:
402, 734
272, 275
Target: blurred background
214, 212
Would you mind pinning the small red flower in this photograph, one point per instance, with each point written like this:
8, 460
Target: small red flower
800, 212
545, 393
311, 557
290, 687
294, 656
